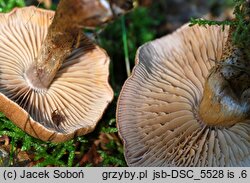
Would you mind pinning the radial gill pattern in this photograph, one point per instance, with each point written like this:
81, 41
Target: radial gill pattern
77, 97
157, 109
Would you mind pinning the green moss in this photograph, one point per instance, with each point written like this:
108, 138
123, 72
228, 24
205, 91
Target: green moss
7, 5
53, 154
202, 22
241, 36
241, 23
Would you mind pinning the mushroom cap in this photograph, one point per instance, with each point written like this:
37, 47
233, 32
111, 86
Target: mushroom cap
157, 112
78, 95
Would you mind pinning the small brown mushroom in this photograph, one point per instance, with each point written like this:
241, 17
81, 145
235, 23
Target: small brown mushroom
158, 108
47, 3
71, 98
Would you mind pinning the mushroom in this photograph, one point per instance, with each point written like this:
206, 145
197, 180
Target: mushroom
47, 3
53, 80
160, 116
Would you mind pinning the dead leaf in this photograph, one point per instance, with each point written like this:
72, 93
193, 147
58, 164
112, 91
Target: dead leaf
92, 156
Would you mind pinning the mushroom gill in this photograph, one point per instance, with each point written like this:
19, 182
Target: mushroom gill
158, 108
78, 94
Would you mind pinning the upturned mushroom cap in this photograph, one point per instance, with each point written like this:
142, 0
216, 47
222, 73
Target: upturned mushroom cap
157, 112
78, 95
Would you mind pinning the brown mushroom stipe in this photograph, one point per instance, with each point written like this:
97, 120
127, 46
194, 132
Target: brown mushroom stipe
158, 108
78, 95
227, 87
63, 35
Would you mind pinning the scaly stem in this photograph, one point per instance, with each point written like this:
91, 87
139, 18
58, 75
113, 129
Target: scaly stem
226, 97
70, 17
57, 45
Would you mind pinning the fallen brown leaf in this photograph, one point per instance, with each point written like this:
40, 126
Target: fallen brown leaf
92, 156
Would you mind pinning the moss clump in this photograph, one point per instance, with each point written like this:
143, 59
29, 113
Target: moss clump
7, 5
240, 25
